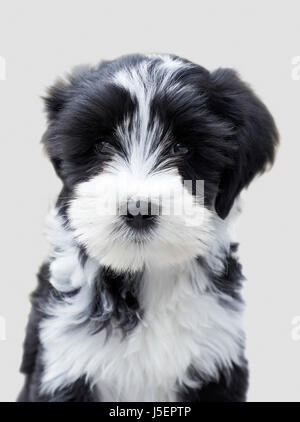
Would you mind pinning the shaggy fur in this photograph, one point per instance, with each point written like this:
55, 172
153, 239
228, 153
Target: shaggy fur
140, 299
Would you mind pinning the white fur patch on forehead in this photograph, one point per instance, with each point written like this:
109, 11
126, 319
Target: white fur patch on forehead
169, 62
143, 143
141, 133
140, 82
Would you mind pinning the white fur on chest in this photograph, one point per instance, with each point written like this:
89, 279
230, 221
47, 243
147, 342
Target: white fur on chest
183, 324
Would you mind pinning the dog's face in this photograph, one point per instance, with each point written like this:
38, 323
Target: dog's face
152, 152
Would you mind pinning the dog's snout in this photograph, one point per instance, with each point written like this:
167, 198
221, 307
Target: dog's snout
139, 214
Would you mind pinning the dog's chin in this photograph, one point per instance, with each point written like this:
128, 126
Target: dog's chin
135, 257
140, 251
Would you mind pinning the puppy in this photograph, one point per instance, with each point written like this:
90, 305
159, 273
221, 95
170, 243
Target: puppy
140, 298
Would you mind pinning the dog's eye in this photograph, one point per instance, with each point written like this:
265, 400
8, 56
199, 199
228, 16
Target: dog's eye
180, 149
103, 147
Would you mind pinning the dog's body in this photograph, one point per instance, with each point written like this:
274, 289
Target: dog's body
144, 305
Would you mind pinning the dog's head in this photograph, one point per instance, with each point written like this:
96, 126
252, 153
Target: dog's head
152, 152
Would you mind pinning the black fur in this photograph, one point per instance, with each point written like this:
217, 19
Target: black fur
231, 386
121, 291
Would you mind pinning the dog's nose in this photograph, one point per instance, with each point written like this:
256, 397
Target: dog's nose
139, 215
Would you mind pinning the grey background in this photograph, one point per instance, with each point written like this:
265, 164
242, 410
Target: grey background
43, 39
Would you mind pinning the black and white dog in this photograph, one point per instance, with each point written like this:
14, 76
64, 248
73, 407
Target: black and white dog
140, 299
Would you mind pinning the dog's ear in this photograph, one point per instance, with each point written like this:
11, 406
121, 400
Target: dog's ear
254, 139
55, 100
56, 97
